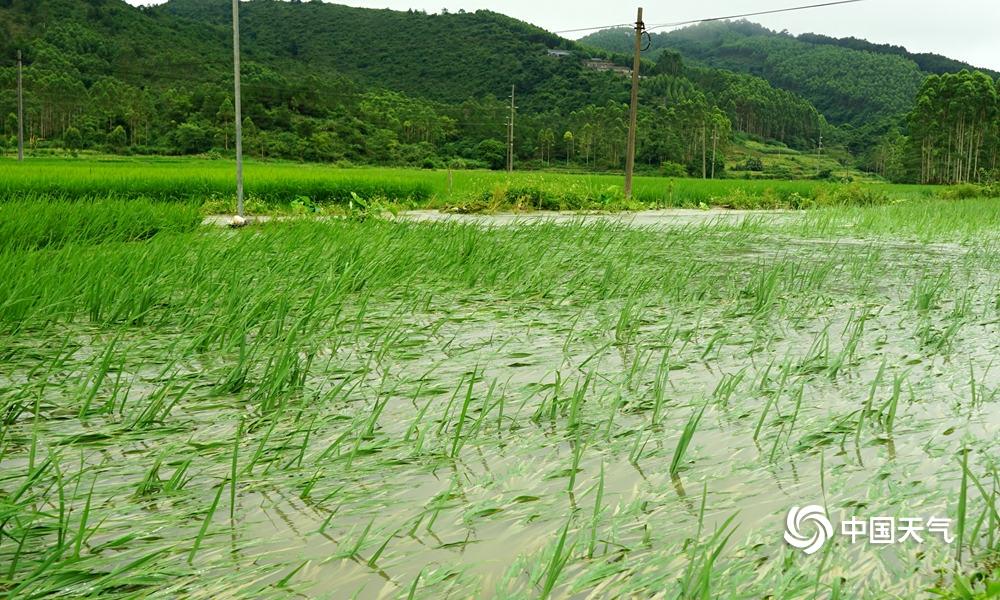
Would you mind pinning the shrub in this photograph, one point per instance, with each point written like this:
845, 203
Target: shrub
752, 163
72, 139
493, 153
117, 139
672, 169
860, 195
965, 192
190, 138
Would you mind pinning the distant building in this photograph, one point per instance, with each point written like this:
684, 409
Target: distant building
560, 53
597, 64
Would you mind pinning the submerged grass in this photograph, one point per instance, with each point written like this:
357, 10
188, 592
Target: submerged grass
357, 408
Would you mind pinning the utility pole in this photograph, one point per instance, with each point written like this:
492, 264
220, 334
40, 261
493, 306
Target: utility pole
20, 109
715, 146
510, 134
634, 110
821, 144
239, 112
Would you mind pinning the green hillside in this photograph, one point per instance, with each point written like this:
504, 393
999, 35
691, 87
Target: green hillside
330, 83
96, 38
334, 83
446, 57
850, 81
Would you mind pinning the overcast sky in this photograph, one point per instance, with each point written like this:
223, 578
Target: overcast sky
962, 29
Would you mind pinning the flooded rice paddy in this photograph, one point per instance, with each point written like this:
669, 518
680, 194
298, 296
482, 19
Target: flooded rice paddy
452, 410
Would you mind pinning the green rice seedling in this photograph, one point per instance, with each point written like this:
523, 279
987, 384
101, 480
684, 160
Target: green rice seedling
817, 359
178, 480
576, 401
233, 473
579, 445
373, 561
774, 447
595, 518
457, 439
696, 582
204, 525
962, 506
866, 409
100, 372
685, 440
283, 582
772, 399
355, 549
762, 290
82, 533
727, 386
798, 394
485, 409
638, 446
891, 405
847, 353
716, 343
158, 407
627, 325
927, 291
556, 563
151, 484
659, 391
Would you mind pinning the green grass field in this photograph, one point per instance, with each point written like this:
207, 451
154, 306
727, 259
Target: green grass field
271, 185
377, 408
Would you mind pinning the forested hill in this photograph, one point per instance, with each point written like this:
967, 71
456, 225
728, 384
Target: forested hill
333, 83
850, 81
446, 57
323, 82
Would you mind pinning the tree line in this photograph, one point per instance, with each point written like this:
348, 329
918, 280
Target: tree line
687, 117
952, 134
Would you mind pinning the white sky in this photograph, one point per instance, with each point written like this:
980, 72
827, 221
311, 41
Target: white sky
962, 29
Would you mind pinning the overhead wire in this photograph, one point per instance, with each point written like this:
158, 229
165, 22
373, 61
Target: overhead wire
710, 19
753, 14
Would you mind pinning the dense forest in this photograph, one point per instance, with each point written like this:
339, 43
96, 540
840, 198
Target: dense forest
951, 135
906, 116
433, 90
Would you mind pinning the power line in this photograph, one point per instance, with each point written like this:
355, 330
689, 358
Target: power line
710, 19
753, 14
582, 29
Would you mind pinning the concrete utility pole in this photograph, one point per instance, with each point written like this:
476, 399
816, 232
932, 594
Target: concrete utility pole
20, 109
634, 110
510, 134
715, 146
238, 104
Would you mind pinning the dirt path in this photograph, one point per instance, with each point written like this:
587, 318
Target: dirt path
637, 219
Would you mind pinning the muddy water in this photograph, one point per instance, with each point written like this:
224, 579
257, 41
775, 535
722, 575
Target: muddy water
398, 500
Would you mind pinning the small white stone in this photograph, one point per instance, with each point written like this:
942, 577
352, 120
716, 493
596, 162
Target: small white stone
237, 221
